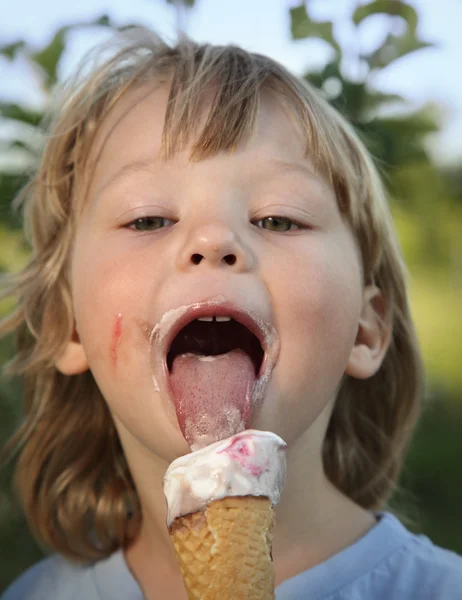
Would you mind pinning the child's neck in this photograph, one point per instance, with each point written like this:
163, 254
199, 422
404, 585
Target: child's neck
313, 527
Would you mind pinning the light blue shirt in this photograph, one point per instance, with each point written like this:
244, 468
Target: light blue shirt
388, 563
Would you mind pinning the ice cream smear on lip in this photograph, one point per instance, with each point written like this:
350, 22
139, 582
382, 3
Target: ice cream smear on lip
250, 463
212, 381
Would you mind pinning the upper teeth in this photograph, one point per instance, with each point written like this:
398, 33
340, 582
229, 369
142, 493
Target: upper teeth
220, 319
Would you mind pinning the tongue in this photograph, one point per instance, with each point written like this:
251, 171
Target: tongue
212, 394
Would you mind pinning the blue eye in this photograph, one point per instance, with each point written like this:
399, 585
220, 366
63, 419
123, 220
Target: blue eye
277, 224
149, 223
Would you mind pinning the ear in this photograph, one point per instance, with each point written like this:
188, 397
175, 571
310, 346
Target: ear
73, 360
373, 337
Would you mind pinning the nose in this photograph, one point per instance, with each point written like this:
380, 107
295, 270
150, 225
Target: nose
217, 245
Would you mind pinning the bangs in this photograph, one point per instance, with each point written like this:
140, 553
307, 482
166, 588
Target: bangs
226, 85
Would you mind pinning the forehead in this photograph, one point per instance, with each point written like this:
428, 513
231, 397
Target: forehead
132, 132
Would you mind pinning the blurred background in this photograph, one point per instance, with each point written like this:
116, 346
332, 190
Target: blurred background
393, 68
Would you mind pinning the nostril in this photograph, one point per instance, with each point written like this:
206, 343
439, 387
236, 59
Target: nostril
229, 259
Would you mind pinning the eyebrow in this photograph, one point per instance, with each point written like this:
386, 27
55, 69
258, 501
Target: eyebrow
293, 167
145, 165
300, 168
138, 166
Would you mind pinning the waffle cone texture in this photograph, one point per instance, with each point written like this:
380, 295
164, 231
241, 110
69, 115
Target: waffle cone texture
224, 552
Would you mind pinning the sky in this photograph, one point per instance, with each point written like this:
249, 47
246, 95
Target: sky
260, 25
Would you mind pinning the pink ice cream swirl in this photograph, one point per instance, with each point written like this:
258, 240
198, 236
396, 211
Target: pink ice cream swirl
250, 463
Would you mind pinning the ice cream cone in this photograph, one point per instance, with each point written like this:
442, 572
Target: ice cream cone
224, 551
220, 501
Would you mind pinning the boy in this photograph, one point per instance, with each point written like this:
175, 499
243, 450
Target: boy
190, 180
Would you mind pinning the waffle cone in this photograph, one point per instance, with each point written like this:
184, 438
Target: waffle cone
225, 551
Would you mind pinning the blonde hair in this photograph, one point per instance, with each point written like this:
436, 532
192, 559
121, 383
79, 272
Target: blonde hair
71, 474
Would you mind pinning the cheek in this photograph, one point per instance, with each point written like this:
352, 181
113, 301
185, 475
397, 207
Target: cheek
112, 333
105, 305
319, 292
317, 300
111, 295
323, 283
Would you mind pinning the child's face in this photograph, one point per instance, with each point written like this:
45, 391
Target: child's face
306, 282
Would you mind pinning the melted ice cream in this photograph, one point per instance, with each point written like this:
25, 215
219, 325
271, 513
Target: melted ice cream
198, 428
251, 463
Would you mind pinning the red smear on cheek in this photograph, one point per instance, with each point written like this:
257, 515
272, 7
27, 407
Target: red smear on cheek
116, 335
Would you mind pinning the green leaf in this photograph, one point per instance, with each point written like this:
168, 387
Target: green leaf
302, 26
18, 113
10, 184
393, 8
18, 145
395, 47
377, 99
103, 21
11, 50
49, 57
399, 140
186, 3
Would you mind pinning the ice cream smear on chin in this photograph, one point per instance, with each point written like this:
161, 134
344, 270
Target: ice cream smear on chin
250, 463
217, 369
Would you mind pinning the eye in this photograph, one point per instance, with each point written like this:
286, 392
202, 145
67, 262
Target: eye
277, 224
149, 223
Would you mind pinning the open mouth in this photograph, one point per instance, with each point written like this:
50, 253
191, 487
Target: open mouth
213, 336
215, 360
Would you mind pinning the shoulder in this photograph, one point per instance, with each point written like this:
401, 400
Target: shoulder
51, 578
389, 562
415, 569
434, 571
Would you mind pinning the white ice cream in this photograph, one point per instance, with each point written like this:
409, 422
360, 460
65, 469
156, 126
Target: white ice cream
250, 463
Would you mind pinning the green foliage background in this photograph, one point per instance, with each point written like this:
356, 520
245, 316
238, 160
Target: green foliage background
427, 205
